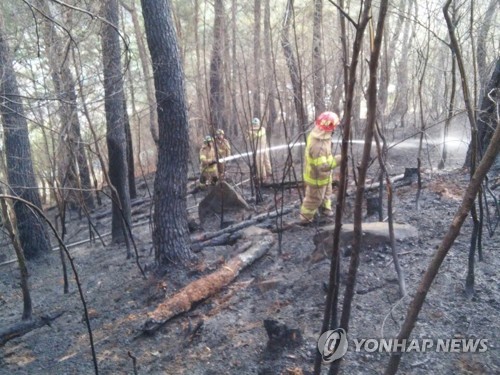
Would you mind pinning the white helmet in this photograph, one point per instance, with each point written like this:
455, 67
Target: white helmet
255, 122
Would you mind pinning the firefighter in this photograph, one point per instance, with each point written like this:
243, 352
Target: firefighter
257, 137
319, 164
208, 167
223, 151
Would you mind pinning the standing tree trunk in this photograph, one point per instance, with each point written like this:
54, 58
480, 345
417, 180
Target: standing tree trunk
363, 169
388, 57
130, 154
451, 110
74, 169
217, 100
400, 105
171, 234
32, 232
424, 60
487, 120
115, 121
143, 56
256, 59
330, 317
10, 225
317, 63
481, 48
234, 68
293, 67
269, 74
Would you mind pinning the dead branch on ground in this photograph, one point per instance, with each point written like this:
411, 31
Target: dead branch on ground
211, 284
203, 238
25, 326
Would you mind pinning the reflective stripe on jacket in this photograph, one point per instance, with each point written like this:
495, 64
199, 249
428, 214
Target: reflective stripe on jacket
319, 159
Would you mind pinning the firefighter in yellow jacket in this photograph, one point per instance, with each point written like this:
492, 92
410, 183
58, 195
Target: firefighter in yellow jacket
258, 139
319, 164
208, 163
223, 151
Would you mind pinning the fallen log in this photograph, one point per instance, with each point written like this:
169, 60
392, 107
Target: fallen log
21, 328
209, 285
401, 178
223, 239
235, 227
283, 185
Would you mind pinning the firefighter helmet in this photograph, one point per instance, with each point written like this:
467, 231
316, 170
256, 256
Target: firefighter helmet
219, 132
255, 122
327, 121
208, 139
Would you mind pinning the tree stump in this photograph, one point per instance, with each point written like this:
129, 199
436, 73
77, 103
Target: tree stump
411, 174
372, 205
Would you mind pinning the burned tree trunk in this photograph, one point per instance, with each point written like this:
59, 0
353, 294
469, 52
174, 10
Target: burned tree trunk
171, 232
330, 317
217, 100
293, 67
115, 121
21, 177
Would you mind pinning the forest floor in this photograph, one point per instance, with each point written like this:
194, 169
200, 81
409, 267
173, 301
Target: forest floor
225, 334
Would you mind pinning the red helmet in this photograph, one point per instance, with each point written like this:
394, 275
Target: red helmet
327, 121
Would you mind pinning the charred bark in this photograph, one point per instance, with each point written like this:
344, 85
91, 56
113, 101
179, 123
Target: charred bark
293, 67
22, 328
21, 177
330, 317
217, 94
171, 232
115, 121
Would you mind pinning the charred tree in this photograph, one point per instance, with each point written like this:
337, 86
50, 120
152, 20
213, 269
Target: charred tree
388, 56
317, 73
130, 154
21, 177
171, 232
217, 95
451, 110
146, 69
293, 66
233, 68
400, 105
74, 173
256, 59
481, 47
271, 89
8, 221
115, 121
487, 118
360, 189
330, 317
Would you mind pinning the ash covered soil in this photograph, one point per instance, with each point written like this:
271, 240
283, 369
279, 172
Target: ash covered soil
225, 334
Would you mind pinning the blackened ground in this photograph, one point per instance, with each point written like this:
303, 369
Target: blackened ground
226, 334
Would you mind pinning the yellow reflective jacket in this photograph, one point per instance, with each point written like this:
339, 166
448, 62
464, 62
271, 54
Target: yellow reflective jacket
319, 161
207, 156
